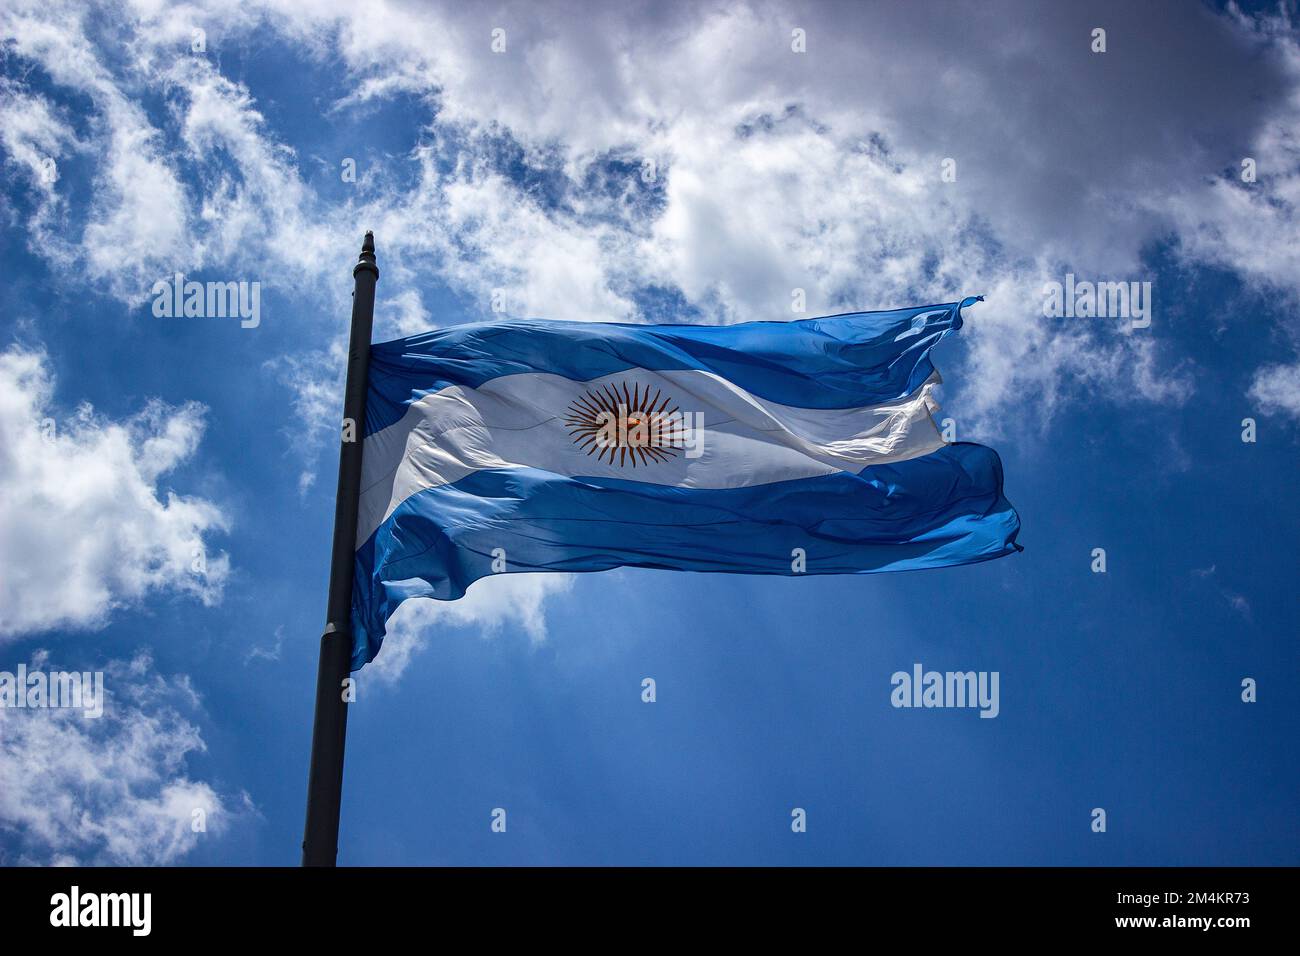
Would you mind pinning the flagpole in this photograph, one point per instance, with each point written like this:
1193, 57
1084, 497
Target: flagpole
329, 731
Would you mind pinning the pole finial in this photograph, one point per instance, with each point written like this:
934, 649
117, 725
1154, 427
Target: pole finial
366, 261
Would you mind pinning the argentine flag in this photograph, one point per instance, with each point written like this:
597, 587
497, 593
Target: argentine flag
802, 447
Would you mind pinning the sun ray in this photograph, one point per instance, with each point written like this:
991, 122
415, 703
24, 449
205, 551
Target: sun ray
644, 434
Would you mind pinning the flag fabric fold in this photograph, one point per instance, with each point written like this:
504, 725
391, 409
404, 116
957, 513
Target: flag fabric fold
802, 447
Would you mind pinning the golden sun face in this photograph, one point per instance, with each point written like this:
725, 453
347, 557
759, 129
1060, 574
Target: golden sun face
628, 423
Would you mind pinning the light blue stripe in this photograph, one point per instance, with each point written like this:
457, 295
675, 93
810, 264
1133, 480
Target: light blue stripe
946, 508
843, 361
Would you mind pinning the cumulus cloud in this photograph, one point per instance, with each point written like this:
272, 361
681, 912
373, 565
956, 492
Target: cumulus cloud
778, 170
775, 169
112, 790
85, 524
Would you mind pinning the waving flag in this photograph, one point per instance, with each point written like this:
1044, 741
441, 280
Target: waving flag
803, 447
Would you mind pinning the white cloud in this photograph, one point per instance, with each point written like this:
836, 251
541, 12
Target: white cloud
1277, 390
250, 185
776, 170
84, 525
798, 200
515, 600
410, 315
34, 138
1252, 226
315, 383
111, 790
266, 652
136, 223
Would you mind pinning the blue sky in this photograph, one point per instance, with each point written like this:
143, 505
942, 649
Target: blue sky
524, 173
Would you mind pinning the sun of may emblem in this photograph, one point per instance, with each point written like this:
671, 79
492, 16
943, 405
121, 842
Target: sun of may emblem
627, 424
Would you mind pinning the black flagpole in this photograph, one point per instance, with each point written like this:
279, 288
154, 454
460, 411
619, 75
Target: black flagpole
320, 842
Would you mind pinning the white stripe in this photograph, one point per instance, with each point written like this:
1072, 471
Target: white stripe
518, 420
